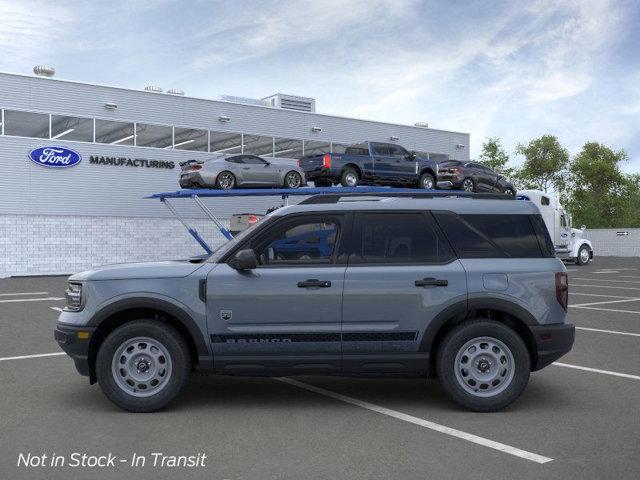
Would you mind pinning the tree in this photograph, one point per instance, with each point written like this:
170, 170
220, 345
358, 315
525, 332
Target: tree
495, 157
599, 190
631, 209
545, 164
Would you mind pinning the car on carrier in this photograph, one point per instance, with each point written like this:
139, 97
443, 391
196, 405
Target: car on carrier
371, 163
226, 172
465, 288
473, 177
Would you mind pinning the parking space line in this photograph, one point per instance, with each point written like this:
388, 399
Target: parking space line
606, 280
15, 300
485, 442
606, 309
22, 293
632, 299
38, 355
608, 331
605, 286
597, 295
597, 370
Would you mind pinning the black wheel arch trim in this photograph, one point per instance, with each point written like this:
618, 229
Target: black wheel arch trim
462, 308
153, 303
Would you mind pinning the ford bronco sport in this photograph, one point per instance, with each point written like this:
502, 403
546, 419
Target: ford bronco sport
465, 289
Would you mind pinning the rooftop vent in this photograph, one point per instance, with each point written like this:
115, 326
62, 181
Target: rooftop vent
153, 88
44, 71
292, 102
422, 124
175, 91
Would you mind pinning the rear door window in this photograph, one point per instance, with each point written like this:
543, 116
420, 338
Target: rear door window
467, 241
406, 238
513, 234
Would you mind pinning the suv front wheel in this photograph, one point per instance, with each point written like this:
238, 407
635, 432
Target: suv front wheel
483, 365
143, 365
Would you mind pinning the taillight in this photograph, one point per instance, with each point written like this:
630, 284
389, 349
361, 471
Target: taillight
299, 162
196, 167
562, 289
326, 161
252, 219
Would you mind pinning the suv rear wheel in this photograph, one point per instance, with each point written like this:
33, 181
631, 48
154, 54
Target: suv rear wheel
143, 365
483, 365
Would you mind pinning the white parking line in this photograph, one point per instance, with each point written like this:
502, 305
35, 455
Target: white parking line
596, 370
22, 293
608, 331
632, 299
14, 300
607, 309
597, 295
628, 276
39, 355
57, 309
606, 280
485, 442
605, 286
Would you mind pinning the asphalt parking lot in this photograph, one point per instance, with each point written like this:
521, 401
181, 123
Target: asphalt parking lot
577, 419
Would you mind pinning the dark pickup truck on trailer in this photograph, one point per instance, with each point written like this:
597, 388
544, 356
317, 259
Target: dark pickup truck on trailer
371, 163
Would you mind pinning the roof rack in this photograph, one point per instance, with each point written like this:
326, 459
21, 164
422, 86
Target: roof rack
336, 197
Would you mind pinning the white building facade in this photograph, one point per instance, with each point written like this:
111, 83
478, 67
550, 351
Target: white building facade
129, 144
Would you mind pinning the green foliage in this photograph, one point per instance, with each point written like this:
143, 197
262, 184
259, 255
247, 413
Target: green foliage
495, 157
545, 164
599, 190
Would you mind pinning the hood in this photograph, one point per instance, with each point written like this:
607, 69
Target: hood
130, 271
577, 233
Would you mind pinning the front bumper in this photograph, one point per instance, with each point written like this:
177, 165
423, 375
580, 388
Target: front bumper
552, 342
75, 340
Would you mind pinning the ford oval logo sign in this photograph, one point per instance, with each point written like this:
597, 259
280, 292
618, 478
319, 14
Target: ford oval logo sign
56, 157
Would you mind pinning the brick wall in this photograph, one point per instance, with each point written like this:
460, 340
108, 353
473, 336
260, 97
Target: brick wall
41, 244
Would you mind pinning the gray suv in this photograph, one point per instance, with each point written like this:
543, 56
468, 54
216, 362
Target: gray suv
465, 289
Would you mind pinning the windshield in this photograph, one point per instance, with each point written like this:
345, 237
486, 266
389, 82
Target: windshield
239, 238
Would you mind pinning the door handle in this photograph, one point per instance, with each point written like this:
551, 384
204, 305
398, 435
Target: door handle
246, 168
431, 282
314, 283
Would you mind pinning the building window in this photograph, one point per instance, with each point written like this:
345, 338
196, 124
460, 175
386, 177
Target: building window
224, 142
258, 145
72, 128
312, 147
26, 124
338, 147
157, 136
115, 133
287, 148
190, 139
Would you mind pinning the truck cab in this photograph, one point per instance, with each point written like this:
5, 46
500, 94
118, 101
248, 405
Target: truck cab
568, 242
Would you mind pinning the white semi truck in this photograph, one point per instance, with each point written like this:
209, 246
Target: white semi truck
569, 242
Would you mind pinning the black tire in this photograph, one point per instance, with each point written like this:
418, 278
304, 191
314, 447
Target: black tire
581, 255
322, 182
180, 361
298, 178
452, 346
468, 185
346, 176
427, 182
221, 183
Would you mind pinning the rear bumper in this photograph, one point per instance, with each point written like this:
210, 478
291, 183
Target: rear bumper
319, 172
77, 347
449, 182
552, 342
192, 180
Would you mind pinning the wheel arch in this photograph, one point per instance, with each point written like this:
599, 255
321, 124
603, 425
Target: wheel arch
354, 167
123, 311
503, 311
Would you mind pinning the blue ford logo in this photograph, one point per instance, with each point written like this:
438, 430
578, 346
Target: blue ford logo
57, 157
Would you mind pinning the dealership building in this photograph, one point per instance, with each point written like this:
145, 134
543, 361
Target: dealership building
129, 144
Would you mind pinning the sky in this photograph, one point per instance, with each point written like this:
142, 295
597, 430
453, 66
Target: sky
513, 70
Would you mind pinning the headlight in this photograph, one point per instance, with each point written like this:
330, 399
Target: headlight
73, 294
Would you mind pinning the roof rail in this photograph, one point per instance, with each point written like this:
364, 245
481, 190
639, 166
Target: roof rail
336, 197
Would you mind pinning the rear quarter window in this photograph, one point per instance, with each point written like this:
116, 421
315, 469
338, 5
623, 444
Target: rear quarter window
491, 236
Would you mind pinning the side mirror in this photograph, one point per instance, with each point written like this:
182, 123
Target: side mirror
244, 260
583, 227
